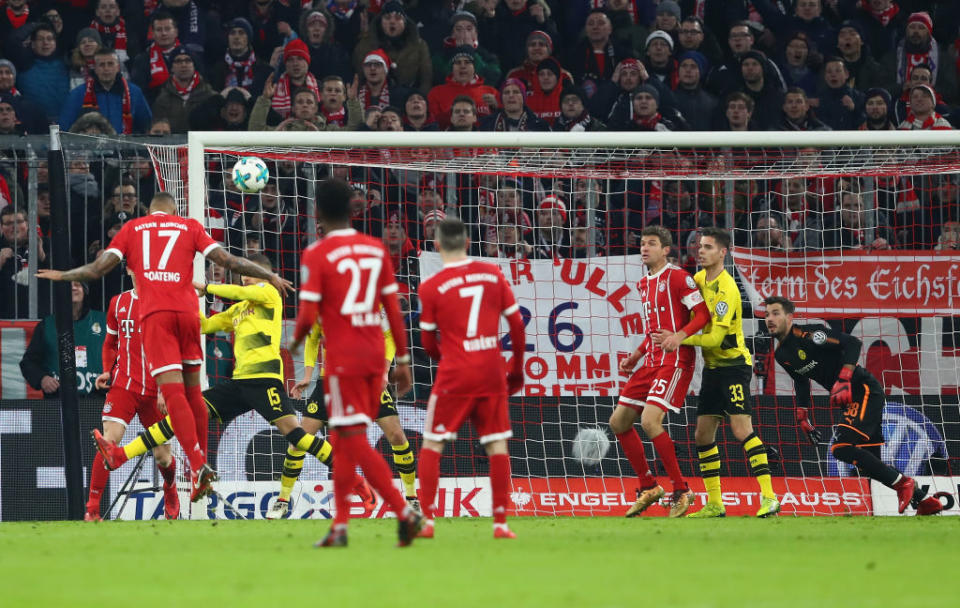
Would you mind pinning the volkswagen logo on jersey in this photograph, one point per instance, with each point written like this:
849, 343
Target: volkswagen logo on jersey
818, 337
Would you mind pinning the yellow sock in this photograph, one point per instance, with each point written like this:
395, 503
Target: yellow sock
157, 434
710, 471
759, 467
406, 465
292, 467
306, 442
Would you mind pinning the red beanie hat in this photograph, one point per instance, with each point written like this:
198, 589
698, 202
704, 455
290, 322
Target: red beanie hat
921, 17
296, 48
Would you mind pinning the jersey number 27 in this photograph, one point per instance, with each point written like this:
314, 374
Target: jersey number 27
355, 268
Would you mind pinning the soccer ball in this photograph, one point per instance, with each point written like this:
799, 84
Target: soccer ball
590, 446
250, 174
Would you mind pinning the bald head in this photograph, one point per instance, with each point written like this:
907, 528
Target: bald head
163, 201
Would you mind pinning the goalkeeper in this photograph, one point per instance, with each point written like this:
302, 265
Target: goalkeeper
257, 383
816, 352
725, 385
315, 416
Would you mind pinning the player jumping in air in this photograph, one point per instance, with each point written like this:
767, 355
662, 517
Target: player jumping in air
725, 386
668, 296
256, 321
316, 416
132, 392
159, 249
816, 352
463, 303
346, 277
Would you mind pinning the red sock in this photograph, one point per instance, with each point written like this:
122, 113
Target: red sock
344, 477
633, 448
428, 472
500, 486
200, 415
184, 424
169, 472
98, 481
668, 456
376, 470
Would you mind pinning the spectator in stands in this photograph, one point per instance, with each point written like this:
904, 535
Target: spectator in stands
387, 119
327, 57
808, 18
865, 71
514, 21
349, 21
272, 216
273, 23
797, 115
696, 105
949, 239
378, 89
428, 230
296, 60
160, 127
539, 46
550, 238
106, 91
918, 47
881, 21
574, 115
401, 250
877, 110
463, 81
738, 112
768, 233
852, 227
593, 59
340, 107
678, 210
416, 114
14, 261
615, 99
13, 19
510, 208
923, 114
800, 67
463, 114
840, 105
9, 123
799, 210
29, 117
544, 101
367, 211
227, 111
728, 77
40, 362
508, 244
396, 35
46, 83
692, 37
191, 25
667, 18
646, 112
186, 90
124, 202
240, 66
150, 69
463, 32
514, 115
80, 60
113, 30
658, 58
93, 123
767, 94
628, 32
920, 74
303, 116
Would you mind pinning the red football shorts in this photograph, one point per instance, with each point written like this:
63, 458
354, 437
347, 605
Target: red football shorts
488, 413
171, 341
121, 405
664, 387
353, 399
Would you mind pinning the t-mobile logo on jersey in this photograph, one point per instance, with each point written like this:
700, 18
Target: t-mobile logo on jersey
127, 326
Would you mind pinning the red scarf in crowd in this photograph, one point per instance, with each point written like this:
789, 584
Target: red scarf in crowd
884, 16
338, 118
649, 124
117, 31
240, 71
907, 60
934, 122
90, 102
366, 97
16, 20
159, 72
281, 98
184, 92
149, 6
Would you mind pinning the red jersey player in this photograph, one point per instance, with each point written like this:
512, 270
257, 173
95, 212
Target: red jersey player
464, 303
132, 392
668, 296
159, 249
345, 279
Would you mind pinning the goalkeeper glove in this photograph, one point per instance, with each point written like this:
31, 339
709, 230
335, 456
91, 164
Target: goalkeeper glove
807, 426
842, 393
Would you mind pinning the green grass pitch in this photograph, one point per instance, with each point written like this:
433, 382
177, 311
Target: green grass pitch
555, 562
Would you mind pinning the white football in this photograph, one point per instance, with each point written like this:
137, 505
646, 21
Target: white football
250, 174
590, 446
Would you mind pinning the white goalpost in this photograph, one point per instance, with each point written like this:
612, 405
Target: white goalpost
856, 227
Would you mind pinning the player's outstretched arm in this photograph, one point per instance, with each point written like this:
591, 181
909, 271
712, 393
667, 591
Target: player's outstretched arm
247, 268
88, 272
518, 341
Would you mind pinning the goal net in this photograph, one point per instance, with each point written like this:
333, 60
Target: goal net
859, 229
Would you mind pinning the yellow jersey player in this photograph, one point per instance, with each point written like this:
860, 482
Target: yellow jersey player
257, 383
725, 385
315, 417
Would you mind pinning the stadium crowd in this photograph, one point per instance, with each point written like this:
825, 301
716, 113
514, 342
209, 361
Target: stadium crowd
163, 67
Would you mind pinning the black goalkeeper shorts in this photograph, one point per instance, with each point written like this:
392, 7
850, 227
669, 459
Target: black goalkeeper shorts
862, 421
